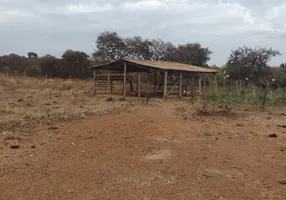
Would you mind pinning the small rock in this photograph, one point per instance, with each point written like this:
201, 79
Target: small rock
33, 146
268, 118
283, 182
239, 124
55, 102
282, 149
273, 135
283, 114
282, 126
216, 138
71, 191
110, 99
20, 100
15, 146
52, 128
47, 104
122, 99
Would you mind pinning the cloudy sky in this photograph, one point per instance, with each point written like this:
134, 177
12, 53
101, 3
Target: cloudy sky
52, 26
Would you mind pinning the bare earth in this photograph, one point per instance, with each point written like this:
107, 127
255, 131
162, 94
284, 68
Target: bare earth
148, 152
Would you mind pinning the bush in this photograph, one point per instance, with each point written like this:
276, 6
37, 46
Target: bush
33, 71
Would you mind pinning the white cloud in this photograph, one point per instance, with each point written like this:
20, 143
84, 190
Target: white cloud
145, 5
85, 8
217, 23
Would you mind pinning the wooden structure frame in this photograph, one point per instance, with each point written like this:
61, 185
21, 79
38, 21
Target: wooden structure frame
140, 66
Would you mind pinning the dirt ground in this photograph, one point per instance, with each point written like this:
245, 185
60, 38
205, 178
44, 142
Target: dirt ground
148, 152
58, 141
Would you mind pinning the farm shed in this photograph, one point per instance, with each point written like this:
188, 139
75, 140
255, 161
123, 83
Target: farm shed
168, 77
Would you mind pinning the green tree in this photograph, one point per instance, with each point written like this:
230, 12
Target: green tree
32, 55
192, 53
109, 46
48, 66
77, 62
138, 48
251, 63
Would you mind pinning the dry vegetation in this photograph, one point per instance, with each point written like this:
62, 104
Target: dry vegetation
165, 150
31, 101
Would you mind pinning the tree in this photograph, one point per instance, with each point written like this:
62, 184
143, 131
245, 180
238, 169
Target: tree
32, 55
192, 53
110, 47
33, 71
283, 65
48, 66
15, 63
77, 62
137, 48
161, 50
251, 63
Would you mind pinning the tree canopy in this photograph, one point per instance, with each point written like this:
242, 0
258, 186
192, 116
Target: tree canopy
110, 46
32, 55
251, 63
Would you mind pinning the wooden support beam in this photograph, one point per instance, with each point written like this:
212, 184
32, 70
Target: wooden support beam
124, 83
108, 84
215, 85
155, 81
94, 82
148, 88
138, 85
181, 83
204, 86
111, 87
165, 84
200, 85
200, 88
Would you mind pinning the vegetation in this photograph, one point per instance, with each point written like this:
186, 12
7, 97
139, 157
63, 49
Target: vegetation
248, 67
110, 47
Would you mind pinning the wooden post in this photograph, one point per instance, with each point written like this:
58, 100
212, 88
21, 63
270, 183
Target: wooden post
165, 84
148, 88
138, 85
94, 82
111, 85
124, 84
180, 87
200, 85
204, 85
200, 88
155, 79
108, 84
215, 84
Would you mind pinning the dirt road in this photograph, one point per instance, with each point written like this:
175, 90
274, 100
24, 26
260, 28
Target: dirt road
147, 154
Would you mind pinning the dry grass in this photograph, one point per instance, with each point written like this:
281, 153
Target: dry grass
30, 101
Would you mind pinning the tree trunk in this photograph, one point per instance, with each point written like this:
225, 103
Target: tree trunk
264, 98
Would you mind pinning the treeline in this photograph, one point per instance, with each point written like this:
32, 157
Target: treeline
252, 64
243, 63
72, 64
110, 46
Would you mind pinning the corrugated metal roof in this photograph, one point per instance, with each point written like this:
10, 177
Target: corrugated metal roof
163, 65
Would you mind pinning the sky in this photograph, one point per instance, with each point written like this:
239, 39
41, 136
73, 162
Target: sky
53, 26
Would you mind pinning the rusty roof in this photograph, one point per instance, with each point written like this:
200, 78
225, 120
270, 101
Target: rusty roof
161, 65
